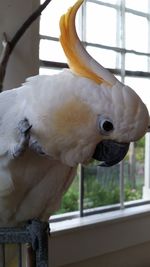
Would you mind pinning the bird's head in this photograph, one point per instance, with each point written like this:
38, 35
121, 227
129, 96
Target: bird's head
99, 116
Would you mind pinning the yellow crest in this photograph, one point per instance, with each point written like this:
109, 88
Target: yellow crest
78, 59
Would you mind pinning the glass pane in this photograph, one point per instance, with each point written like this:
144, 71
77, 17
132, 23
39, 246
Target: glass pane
140, 5
136, 33
70, 201
49, 23
118, 77
48, 71
101, 186
99, 28
107, 58
141, 87
134, 171
136, 63
51, 51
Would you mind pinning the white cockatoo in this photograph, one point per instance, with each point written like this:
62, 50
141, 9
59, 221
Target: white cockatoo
52, 123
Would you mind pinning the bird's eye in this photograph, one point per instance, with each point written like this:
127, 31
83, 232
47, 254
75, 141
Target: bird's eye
105, 125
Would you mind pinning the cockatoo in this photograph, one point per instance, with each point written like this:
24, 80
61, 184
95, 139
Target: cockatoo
52, 123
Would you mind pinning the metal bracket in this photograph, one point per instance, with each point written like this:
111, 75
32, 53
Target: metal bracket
34, 233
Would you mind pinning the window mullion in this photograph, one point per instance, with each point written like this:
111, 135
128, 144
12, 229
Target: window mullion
122, 35
81, 190
146, 187
81, 168
148, 18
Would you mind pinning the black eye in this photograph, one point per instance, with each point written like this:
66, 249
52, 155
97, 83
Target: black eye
105, 125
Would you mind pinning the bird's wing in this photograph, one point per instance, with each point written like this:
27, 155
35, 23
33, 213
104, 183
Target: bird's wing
38, 186
30, 185
9, 116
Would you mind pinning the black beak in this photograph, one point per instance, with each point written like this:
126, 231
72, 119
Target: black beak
110, 152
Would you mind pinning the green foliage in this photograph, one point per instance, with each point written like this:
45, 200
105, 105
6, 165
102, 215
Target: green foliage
132, 194
139, 146
140, 143
98, 196
70, 199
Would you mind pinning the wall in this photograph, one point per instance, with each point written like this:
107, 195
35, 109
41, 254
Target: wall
24, 60
137, 256
113, 239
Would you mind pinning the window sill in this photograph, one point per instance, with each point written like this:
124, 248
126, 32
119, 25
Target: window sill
81, 238
103, 218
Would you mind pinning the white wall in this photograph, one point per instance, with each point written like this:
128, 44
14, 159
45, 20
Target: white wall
138, 256
113, 239
24, 60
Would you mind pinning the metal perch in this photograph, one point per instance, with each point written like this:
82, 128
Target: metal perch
35, 233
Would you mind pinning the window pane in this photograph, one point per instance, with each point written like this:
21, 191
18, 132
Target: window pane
134, 171
99, 28
49, 24
101, 186
52, 51
70, 201
48, 71
136, 63
107, 58
118, 77
136, 33
141, 87
140, 5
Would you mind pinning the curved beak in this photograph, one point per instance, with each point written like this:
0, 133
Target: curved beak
110, 152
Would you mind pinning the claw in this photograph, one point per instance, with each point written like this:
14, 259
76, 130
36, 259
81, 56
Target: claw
24, 131
36, 147
24, 126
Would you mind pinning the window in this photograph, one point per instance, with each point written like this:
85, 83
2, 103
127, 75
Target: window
116, 34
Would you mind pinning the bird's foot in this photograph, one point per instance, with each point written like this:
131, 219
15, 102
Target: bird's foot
24, 131
36, 147
39, 233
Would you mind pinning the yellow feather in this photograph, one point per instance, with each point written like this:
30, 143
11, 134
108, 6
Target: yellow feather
73, 47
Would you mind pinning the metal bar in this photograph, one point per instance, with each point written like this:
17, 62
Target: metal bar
116, 6
39, 235
116, 49
113, 48
14, 235
133, 73
148, 20
30, 257
60, 65
49, 38
103, 3
3, 254
83, 23
51, 64
19, 255
122, 206
122, 23
136, 12
81, 191
34, 233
